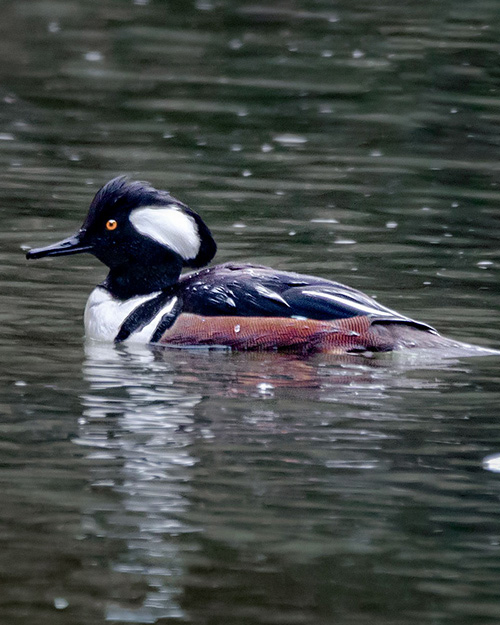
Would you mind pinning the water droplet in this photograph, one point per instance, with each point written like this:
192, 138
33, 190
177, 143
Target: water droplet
290, 139
492, 463
237, 328
60, 603
265, 388
93, 56
204, 5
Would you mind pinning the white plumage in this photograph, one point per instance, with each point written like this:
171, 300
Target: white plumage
170, 226
104, 316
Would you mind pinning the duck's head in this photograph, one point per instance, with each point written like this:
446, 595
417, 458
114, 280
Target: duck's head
143, 235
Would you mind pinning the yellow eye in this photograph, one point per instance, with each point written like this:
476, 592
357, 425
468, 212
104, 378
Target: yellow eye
111, 224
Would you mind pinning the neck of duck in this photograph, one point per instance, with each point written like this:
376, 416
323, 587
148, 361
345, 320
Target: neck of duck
133, 279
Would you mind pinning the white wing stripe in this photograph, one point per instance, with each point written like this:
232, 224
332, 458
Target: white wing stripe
272, 295
338, 299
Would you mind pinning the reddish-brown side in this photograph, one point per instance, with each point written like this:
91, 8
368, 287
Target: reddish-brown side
355, 334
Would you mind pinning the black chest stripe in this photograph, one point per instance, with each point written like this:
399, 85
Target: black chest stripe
145, 313
166, 321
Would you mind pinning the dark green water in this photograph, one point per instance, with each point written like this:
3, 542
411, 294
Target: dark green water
354, 140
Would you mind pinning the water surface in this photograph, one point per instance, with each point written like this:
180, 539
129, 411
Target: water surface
356, 141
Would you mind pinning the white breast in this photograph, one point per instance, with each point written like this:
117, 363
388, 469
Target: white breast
105, 314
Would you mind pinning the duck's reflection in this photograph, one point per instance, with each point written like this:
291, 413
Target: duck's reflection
138, 426
149, 417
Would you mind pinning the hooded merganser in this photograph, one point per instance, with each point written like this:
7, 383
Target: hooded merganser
146, 237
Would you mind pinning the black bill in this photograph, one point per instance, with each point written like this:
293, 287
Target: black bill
71, 245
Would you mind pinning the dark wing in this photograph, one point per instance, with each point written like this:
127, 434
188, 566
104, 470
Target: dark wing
253, 291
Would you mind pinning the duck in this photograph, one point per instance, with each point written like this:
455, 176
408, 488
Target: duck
147, 238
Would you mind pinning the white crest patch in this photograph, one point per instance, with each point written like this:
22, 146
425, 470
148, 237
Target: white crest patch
169, 226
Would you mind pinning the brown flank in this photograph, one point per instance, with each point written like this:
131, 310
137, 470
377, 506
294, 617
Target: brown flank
355, 334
